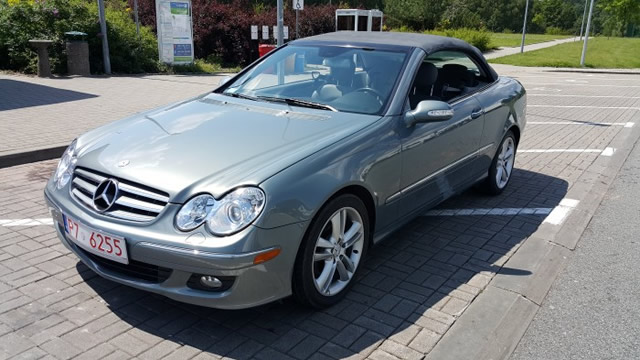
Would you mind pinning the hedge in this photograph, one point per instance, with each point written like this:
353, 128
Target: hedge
22, 20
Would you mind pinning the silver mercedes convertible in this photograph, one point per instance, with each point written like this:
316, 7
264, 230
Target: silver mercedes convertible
278, 182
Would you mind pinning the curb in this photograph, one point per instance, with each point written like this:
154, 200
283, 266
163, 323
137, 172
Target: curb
498, 318
30, 156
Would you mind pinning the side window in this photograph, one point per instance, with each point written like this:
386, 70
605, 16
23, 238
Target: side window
457, 75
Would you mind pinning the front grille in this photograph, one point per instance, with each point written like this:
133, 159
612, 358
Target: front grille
135, 269
134, 202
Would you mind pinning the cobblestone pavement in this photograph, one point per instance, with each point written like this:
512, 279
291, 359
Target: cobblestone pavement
413, 288
65, 107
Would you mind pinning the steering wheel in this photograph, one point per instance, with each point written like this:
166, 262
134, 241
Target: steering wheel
371, 91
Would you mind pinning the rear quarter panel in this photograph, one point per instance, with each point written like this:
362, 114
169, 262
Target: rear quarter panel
504, 104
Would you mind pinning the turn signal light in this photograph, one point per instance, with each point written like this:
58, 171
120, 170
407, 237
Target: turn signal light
266, 256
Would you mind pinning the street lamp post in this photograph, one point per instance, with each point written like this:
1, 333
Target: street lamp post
586, 34
584, 14
105, 42
524, 25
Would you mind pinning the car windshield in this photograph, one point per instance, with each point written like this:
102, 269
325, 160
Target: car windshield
350, 79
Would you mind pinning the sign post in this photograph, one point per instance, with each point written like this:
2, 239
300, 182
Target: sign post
105, 42
298, 5
175, 34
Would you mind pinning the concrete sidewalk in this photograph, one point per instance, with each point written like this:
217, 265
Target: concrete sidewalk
40, 116
515, 50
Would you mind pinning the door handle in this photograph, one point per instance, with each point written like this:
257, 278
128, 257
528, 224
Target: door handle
476, 113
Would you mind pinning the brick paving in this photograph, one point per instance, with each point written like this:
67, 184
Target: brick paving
412, 288
65, 107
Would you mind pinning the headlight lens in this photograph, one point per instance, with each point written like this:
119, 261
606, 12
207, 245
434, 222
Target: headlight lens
236, 211
66, 166
194, 212
232, 213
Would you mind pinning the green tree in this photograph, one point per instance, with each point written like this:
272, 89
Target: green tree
415, 14
620, 16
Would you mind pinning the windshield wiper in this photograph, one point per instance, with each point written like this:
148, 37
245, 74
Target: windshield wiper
241, 96
299, 102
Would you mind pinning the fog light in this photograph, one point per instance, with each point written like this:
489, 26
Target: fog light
210, 282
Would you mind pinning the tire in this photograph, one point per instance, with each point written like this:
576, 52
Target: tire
492, 185
321, 257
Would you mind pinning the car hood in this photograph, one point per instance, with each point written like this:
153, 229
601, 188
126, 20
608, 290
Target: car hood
212, 143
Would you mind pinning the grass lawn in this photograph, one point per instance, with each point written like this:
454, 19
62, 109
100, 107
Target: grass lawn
602, 52
512, 40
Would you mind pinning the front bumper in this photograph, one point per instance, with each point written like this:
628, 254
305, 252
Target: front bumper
167, 264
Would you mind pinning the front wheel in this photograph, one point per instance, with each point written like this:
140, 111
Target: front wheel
331, 253
501, 166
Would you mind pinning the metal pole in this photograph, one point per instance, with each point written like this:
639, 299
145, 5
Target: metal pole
297, 11
584, 14
135, 14
524, 25
586, 34
105, 42
280, 34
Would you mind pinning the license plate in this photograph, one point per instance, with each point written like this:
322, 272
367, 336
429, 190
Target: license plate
96, 241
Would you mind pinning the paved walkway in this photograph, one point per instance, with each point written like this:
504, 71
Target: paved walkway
37, 113
591, 311
443, 286
515, 50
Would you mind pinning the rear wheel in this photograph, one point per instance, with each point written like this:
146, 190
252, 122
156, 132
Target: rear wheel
332, 252
501, 166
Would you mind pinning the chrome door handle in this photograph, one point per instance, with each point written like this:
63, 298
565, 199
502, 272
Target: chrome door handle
476, 113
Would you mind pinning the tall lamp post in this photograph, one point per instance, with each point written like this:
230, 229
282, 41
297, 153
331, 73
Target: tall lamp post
586, 34
524, 25
584, 14
105, 42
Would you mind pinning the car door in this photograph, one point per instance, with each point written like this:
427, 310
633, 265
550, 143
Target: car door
438, 157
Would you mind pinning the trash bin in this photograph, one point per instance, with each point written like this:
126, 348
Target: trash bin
263, 49
77, 53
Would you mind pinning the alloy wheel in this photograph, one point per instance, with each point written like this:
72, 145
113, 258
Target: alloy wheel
504, 165
338, 251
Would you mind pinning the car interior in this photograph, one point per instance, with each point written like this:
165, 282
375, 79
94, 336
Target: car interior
445, 76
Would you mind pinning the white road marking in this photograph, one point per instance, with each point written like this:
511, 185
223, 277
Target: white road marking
489, 211
625, 124
586, 96
560, 150
586, 107
577, 84
608, 151
555, 215
560, 212
26, 222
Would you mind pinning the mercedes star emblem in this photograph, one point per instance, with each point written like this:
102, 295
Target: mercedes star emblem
106, 195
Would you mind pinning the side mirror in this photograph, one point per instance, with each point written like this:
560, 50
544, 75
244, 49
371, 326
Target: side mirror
224, 80
428, 111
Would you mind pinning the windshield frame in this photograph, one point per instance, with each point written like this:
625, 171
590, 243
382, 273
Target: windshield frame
362, 45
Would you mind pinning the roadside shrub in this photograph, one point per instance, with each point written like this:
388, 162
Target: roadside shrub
23, 20
222, 28
554, 30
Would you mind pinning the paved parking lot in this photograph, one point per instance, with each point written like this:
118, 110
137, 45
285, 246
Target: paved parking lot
414, 287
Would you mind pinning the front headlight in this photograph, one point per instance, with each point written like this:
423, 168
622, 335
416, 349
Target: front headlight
231, 214
66, 166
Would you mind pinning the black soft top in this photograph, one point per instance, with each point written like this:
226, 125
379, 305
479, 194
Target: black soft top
428, 43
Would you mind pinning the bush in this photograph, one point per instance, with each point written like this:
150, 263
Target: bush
554, 30
478, 38
23, 20
222, 28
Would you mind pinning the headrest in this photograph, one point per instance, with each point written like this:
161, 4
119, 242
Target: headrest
427, 75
